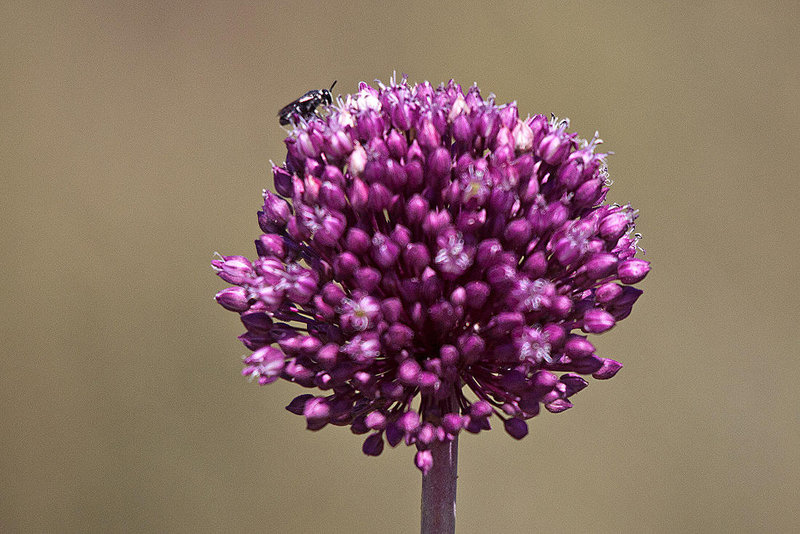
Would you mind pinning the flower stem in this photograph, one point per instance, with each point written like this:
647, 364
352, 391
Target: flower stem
439, 489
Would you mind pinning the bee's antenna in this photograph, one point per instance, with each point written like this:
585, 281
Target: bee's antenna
334, 83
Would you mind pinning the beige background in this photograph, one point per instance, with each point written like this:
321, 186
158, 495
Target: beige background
135, 143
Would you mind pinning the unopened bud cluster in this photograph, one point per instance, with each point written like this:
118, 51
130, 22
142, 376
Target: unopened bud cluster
430, 260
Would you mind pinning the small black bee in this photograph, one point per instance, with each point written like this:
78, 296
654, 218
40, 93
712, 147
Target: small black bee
306, 105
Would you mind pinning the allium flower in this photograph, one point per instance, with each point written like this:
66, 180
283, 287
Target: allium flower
430, 262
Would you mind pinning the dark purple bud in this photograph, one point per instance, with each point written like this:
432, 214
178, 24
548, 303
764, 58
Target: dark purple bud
314, 169
633, 270
393, 391
397, 144
588, 194
554, 148
566, 251
509, 115
518, 233
416, 209
328, 356
462, 130
558, 406
333, 175
303, 288
298, 403
392, 309
282, 180
608, 370
555, 335
317, 413
427, 135
577, 347
401, 235
439, 163
332, 196
384, 251
398, 336
614, 225
417, 315
258, 322
357, 241
442, 316
305, 146
233, 299
424, 461
516, 428
470, 222
428, 382
408, 372
358, 193
501, 277
607, 293
332, 294
358, 427
535, 265
367, 278
489, 251
401, 116
296, 230
255, 341
574, 383
560, 306
600, 265
332, 229
480, 410
596, 321
542, 382
431, 288
394, 435
415, 175
435, 223
373, 445
337, 145
408, 422
358, 161
271, 245
375, 421
570, 173
472, 347
529, 404
345, 265
629, 296
452, 423
395, 175
234, 269
426, 434
448, 355
379, 197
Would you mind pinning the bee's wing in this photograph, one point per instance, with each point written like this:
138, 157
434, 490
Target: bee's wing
288, 108
291, 106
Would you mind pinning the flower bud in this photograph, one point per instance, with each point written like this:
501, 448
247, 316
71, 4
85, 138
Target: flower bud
596, 321
633, 271
233, 299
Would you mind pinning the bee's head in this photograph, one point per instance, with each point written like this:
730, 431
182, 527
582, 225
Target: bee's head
327, 97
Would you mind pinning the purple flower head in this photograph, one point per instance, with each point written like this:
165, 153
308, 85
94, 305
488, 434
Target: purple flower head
431, 262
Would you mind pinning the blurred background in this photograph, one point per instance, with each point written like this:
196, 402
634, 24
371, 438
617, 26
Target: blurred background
136, 139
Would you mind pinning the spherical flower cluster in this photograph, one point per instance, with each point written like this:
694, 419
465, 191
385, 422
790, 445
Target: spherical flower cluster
429, 260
